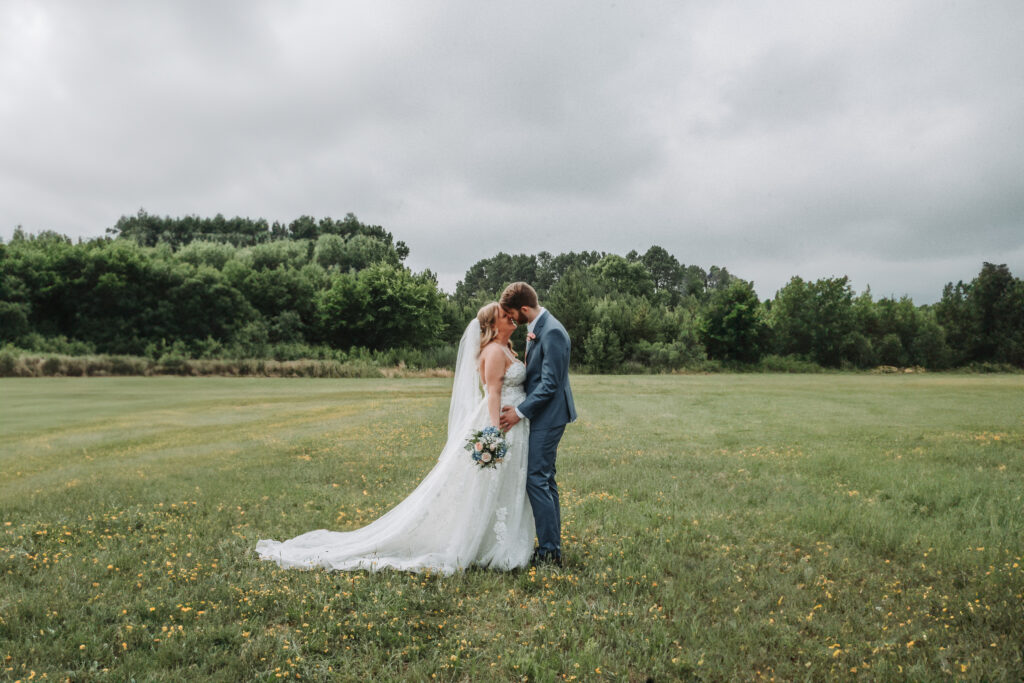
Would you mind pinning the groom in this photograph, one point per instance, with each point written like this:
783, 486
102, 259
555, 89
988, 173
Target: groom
548, 406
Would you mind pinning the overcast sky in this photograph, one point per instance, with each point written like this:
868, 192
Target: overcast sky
883, 140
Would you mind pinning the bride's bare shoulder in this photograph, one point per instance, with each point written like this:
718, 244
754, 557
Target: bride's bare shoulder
493, 362
491, 351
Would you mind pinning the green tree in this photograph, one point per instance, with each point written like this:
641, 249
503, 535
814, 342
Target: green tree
149, 231
694, 282
489, 277
14, 305
343, 311
984, 319
551, 269
815, 320
664, 268
717, 278
890, 350
791, 317
381, 307
616, 274
406, 307
120, 297
867, 331
733, 326
603, 350
278, 254
929, 347
570, 301
363, 250
13, 321
667, 273
997, 313
206, 305
201, 253
330, 252
272, 292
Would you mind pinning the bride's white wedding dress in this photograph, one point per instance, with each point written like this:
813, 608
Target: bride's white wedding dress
459, 515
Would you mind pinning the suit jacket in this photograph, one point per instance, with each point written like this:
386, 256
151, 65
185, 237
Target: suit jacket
549, 400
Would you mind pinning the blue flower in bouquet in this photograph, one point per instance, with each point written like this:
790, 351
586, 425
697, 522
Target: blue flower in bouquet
487, 446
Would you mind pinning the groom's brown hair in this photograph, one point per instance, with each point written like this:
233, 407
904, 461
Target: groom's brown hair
517, 295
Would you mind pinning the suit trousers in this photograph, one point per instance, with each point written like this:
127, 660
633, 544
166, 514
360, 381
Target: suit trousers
542, 489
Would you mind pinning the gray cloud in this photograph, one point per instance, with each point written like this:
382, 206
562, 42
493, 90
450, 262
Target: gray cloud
882, 140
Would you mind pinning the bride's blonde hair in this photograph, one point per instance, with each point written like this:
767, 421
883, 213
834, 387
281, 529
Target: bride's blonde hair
487, 316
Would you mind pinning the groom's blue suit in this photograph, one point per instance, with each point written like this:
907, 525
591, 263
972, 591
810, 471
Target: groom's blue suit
549, 407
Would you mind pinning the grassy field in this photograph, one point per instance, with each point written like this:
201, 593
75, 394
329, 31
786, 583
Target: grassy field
726, 527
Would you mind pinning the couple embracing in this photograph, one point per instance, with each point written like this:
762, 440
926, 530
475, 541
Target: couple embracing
461, 514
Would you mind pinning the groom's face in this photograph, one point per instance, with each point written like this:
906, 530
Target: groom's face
516, 315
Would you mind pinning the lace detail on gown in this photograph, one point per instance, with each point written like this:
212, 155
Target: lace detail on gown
459, 515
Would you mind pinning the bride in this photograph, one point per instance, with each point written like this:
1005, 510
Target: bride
460, 514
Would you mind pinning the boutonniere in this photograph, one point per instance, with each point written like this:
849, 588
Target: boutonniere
530, 336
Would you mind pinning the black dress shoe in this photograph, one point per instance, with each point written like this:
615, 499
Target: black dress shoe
540, 558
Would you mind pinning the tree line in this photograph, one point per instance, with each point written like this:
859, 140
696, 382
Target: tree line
339, 289
649, 311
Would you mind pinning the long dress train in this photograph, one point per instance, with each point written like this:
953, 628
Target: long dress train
459, 515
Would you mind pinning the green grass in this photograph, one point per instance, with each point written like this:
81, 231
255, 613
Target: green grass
726, 527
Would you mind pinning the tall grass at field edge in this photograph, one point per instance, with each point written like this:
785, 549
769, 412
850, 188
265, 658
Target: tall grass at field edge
15, 362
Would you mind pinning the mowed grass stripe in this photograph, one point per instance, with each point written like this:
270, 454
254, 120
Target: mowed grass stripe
129, 434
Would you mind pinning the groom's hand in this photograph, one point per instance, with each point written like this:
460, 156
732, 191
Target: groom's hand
508, 418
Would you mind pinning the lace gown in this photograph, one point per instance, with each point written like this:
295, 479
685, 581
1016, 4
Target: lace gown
459, 515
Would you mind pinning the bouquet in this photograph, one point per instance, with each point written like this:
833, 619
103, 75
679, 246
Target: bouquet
487, 446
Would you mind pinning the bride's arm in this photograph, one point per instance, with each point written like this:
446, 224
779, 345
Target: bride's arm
492, 374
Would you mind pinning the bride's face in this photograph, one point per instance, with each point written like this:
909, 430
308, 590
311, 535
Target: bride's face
504, 325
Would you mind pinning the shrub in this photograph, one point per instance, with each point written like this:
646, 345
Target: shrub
75, 367
50, 366
709, 366
664, 356
632, 367
987, 367
172, 364
775, 363
417, 359
8, 362
128, 365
